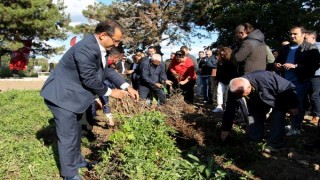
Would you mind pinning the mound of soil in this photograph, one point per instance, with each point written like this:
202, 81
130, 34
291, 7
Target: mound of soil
199, 127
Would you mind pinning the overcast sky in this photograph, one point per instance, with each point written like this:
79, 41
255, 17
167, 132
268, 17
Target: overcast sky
75, 7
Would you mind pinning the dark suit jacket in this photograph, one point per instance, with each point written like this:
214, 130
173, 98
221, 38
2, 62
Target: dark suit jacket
307, 58
78, 77
270, 90
119, 66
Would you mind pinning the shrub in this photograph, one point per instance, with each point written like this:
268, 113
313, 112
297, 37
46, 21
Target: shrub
143, 148
5, 72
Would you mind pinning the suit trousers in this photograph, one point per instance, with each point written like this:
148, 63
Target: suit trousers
68, 128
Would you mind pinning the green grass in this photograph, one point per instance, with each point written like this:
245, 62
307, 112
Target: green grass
142, 148
24, 121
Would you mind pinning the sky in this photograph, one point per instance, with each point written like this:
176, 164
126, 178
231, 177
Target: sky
75, 7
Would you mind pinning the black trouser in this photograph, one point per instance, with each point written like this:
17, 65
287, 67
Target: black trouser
187, 91
68, 128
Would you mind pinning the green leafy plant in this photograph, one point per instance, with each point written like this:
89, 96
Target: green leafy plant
143, 148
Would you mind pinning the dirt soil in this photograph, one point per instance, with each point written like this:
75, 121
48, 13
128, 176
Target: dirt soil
199, 127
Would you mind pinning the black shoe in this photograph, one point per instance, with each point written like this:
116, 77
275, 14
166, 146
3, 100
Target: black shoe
76, 177
88, 165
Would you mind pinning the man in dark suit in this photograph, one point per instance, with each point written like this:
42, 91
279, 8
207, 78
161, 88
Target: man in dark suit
255, 93
122, 67
71, 87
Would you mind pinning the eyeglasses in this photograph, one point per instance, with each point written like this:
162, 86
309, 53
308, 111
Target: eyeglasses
113, 40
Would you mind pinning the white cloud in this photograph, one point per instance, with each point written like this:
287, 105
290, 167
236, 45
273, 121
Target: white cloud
74, 8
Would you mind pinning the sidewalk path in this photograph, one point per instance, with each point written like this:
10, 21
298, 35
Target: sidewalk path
21, 83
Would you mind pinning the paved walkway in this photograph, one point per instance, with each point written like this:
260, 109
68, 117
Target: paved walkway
21, 83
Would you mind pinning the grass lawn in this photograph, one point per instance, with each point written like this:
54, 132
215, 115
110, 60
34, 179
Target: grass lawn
25, 130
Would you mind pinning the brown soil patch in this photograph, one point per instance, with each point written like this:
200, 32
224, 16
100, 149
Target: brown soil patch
199, 127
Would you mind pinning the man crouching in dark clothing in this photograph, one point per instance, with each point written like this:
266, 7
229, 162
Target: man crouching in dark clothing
256, 93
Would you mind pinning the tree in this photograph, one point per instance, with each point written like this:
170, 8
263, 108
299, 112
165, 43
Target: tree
146, 22
274, 17
37, 20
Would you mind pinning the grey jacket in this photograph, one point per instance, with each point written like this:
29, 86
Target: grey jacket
251, 55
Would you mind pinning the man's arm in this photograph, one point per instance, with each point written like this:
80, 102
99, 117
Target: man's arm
243, 52
228, 115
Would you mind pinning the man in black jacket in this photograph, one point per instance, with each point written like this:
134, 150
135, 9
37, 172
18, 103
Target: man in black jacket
297, 62
256, 93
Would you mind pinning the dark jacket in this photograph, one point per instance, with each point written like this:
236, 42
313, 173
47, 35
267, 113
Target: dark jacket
120, 68
206, 65
226, 71
152, 74
270, 89
251, 56
307, 58
79, 76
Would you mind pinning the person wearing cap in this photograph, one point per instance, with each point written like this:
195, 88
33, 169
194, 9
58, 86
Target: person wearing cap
182, 69
153, 76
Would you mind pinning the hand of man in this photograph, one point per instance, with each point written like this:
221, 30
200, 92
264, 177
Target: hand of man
98, 103
278, 66
183, 82
133, 93
176, 76
168, 82
129, 71
118, 93
288, 66
159, 85
224, 135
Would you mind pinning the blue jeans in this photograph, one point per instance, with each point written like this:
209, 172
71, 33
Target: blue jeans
199, 84
315, 97
159, 92
104, 99
302, 90
207, 91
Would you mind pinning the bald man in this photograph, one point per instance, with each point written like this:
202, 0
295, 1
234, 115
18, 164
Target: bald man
153, 74
256, 93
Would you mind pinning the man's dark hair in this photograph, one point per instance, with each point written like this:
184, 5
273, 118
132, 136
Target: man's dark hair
248, 27
108, 26
303, 30
184, 48
116, 51
201, 51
